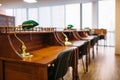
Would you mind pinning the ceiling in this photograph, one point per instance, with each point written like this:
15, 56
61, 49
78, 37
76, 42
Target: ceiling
21, 4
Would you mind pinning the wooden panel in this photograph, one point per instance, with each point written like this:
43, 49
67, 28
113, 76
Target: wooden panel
1, 70
23, 71
36, 68
72, 37
82, 33
33, 41
6, 49
11, 47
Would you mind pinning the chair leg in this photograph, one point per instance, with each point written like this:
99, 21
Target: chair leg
93, 52
83, 65
88, 52
97, 48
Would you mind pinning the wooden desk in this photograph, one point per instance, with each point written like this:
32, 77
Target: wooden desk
36, 67
43, 45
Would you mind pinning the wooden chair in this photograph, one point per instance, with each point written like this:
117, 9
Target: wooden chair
102, 34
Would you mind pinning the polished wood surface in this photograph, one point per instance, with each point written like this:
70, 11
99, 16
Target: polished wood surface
34, 68
48, 54
105, 66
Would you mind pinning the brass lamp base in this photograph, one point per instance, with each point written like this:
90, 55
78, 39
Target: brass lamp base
26, 56
68, 43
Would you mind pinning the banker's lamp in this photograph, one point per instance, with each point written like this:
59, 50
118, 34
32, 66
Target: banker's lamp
70, 26
67, 43
29, 24
26, 25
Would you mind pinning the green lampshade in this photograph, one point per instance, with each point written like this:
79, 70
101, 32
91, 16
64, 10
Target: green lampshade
29, 24
87, 28
69, 26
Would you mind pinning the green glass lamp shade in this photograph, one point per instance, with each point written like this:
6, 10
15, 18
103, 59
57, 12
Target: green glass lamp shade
87, 28
69, 26
29, 24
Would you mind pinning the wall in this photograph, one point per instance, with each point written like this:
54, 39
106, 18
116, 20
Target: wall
117, 33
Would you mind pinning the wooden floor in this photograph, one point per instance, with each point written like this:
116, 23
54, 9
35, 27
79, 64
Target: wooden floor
105, 66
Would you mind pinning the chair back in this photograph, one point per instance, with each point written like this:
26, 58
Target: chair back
83, 50
62, 63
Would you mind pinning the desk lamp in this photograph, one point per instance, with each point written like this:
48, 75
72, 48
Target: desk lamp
26, 25
67, 43
70, 26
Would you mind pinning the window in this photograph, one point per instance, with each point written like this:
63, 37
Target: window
33, 14
107, 20
73, 15
58, 16
20, 16
107, 15
86, 15
45, 16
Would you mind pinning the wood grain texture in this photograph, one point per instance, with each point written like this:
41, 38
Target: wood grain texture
105, 66
1, 70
